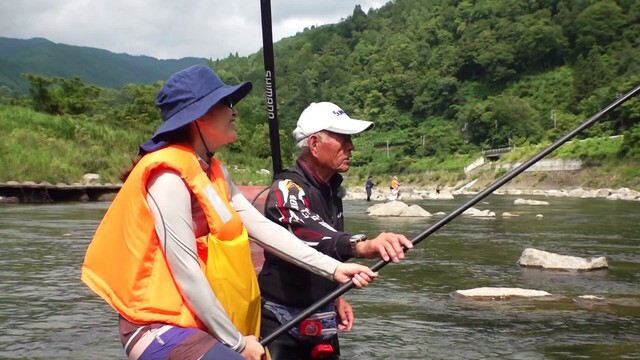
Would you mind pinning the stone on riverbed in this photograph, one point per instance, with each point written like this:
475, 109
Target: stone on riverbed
9, 200
473, 212
498, 293
591, 301
90, 179
542, 259
529, 202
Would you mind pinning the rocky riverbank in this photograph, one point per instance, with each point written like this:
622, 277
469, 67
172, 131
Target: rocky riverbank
413, 193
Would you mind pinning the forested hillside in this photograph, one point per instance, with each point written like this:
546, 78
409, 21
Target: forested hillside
442, 79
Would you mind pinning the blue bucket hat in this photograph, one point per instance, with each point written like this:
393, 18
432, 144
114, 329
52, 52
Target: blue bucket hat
186, 97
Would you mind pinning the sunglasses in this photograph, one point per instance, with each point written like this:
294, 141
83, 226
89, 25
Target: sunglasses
228, 102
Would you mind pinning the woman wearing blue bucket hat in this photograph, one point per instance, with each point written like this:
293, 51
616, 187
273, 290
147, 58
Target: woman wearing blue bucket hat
171, 254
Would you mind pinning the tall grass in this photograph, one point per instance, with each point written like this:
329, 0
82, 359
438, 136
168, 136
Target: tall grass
39, 147
592, 148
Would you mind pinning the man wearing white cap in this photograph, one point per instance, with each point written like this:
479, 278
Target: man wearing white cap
307, 200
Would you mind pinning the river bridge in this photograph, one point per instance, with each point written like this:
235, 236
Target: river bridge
494, 154
44, 192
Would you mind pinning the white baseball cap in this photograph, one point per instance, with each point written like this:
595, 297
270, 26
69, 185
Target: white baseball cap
327, 116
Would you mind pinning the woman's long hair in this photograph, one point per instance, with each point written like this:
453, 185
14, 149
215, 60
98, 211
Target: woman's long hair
179, 135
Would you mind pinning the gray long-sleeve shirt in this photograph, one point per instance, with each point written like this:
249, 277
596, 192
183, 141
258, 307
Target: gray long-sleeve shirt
179, 220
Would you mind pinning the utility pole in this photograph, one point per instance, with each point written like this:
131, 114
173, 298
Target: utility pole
465, 132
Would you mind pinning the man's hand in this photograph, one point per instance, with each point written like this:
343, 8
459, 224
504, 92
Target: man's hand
345, 314
386, 246
359, 274
252, 350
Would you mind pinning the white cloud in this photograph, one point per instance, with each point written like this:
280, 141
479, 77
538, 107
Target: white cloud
168, 29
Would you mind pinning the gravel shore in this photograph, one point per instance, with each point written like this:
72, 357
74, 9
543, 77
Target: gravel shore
418, 193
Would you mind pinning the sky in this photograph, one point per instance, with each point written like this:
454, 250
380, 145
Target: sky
168, 29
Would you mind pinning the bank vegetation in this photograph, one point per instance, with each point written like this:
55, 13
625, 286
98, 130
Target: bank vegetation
444, 80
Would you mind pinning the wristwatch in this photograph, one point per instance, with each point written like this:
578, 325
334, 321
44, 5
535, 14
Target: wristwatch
353, 240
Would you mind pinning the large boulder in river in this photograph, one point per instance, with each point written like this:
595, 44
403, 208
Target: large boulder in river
542, 259
397, 208
415, 211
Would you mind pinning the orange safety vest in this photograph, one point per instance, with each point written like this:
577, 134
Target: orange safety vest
125, 263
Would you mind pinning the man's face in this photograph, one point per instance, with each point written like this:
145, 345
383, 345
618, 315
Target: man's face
332, 151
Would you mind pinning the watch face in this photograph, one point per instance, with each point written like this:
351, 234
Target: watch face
357, 238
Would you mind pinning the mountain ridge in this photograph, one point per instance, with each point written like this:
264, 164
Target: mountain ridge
93, 65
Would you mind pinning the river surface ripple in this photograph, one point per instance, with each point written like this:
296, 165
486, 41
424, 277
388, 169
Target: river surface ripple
46, 312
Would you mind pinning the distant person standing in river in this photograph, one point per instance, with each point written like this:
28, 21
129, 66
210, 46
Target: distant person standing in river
394, 186
368, 186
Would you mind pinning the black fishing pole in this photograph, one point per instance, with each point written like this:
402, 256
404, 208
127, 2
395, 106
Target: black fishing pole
445, 220
270, 85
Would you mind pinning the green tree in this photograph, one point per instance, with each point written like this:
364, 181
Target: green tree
139, 111
75, 96
539, 43
598, 25
41, 95
631, 144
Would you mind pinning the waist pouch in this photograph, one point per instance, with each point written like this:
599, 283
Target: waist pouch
326, 316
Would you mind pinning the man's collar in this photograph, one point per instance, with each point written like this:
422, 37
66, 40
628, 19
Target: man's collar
334, 181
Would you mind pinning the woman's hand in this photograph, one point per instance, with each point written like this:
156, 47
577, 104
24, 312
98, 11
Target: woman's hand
345, 314
252, 349
360, 275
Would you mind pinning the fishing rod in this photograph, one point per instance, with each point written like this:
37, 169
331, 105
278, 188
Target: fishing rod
270, 85
445, 220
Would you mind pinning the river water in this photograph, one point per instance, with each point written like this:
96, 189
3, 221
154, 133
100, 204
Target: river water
409, 313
